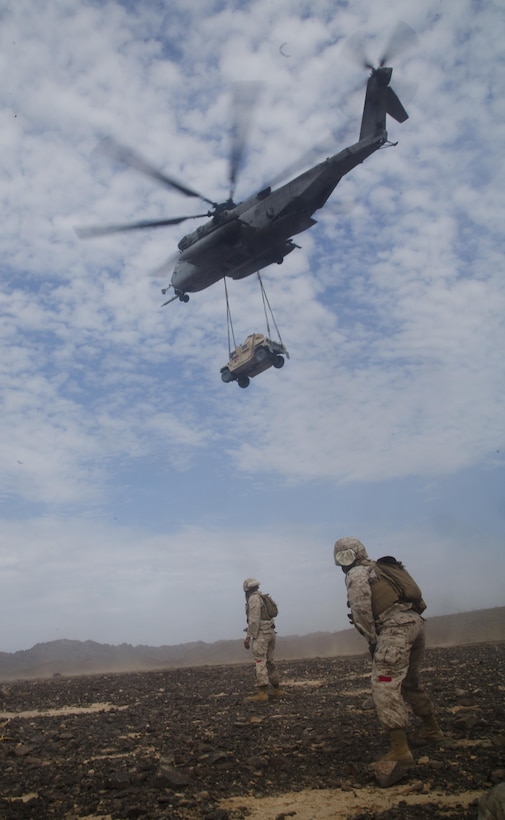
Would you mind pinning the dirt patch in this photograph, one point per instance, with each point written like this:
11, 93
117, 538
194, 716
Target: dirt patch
181, 744
63, 710
336, 804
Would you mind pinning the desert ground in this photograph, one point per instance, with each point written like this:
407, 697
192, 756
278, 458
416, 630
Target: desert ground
184, 744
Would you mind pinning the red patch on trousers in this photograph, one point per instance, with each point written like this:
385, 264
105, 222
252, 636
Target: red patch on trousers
385, 679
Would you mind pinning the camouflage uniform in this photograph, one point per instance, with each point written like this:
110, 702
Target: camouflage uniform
262, 634
397, 640
492, 804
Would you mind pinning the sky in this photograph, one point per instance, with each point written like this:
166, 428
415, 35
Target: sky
137, 490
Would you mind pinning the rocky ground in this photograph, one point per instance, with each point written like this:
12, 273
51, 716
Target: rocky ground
184, 744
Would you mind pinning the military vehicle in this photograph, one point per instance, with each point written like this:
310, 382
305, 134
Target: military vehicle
255, 355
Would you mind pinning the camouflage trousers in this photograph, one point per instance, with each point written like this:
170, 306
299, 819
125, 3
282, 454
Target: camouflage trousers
395, 671
263, 652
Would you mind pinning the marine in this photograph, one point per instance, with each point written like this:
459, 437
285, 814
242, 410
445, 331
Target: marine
261, 638
394, 629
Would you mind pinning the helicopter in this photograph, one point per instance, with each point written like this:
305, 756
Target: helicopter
240, 239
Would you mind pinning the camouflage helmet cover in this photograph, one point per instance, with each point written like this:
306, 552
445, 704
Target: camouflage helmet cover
347, 550
250, 583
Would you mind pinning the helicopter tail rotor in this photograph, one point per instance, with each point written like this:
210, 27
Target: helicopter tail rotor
380, 98
403, 39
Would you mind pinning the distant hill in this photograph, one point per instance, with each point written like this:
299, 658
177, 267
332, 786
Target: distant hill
67, 657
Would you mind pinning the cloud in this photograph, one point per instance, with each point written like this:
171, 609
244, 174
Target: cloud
391, 310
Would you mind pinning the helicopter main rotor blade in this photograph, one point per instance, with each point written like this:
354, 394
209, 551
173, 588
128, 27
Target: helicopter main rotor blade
315, 154
105, 230
245, 97
113, 149
163, 270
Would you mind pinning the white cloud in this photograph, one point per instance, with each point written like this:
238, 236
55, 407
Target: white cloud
392, 311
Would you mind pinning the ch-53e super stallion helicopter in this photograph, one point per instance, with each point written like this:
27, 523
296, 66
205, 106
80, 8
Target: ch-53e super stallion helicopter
242, 239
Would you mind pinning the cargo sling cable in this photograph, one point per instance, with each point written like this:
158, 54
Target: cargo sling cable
267, 309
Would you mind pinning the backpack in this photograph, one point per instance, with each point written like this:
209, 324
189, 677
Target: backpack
394, 585
268, 607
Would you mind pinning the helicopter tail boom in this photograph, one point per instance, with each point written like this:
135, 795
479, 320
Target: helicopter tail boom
380, 100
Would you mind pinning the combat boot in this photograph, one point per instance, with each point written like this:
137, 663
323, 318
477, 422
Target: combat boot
399, 748
277, 692
260, 697
430, 731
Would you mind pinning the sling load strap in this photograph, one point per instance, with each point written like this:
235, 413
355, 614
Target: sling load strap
266, 304
231, 333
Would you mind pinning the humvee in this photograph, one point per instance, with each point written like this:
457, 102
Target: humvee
257, 354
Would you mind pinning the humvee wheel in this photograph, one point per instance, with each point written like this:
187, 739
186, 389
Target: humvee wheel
261, 355
278, 362
243, 381
226, 375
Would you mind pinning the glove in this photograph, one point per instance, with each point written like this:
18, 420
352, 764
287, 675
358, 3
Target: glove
372, 647
247, 642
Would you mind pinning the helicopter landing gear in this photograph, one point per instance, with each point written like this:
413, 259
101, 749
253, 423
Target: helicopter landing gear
179, 294
183, 297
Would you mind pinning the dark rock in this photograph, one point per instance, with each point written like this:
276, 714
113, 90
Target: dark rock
176, 748
172, 777
23, 751
118, 780
279, 762
217, 757
466, 721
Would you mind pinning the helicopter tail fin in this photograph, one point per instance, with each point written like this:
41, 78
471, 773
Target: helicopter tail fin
380, 100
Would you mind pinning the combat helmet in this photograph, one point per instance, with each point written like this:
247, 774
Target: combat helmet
348, 550
250, 583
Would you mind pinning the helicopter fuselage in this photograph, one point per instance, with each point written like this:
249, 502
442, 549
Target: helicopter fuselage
240, 239
258, 232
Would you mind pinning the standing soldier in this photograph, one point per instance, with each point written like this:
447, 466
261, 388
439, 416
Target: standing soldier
385, 605
260, 611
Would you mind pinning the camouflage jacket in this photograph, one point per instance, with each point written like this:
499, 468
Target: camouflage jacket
359, 599
255, 623
358, 581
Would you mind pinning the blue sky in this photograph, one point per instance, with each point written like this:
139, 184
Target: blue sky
138, 490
